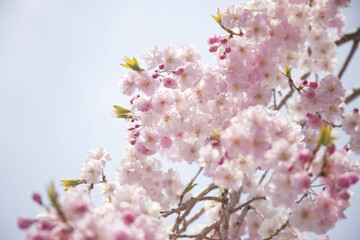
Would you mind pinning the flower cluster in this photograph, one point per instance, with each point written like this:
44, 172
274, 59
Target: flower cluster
275, 178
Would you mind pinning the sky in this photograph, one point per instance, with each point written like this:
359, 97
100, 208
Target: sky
59, 72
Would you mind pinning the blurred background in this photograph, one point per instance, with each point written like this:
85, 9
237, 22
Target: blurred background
59, 71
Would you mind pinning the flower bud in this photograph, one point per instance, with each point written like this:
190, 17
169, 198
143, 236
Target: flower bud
305, 82
313, 85
37, 198
213, 39
223, 56
228, 49
161, 66
353, 177
213, 48
224, 41
155, 75
343, 182
344, 195
331, 149
24, 222
179, 71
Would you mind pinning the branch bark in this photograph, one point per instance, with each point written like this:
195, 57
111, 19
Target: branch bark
354, 93
353, 35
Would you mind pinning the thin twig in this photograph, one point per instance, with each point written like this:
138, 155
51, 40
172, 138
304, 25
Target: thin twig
247, 203
354, 93
190, 202
278, 230
191, 236
239, 222
186, 223
263, 177
348, 59
290, 93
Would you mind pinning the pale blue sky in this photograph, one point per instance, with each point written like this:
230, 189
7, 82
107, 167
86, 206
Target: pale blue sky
59, 67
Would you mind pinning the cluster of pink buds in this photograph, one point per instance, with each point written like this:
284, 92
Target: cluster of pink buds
311, 86
215, 42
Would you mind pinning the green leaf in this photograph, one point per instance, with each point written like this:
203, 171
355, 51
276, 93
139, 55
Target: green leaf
71, 183
188, 188
121, 112
132, 64
287, 72
217, 18
325, 137
52, 194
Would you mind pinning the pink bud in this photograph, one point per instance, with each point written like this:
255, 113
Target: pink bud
224, 41
353, 177
215, 143
137, 126
343, 182
310, 94
356, 110
313, 85
37, 198
213, 48
331, 149
155, 75
136, 134
346, 147
133, 141
305, 82
169, 82
221, 161
179, 71
223, 56
304, 155
128, 216
213, 39
344, 195
166, 142
24, 222
228, 49
161, 66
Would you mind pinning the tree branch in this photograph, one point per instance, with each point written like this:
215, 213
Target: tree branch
349, 57
354, 93
239, 222
278, 231
290, 93
353, 35
247, 203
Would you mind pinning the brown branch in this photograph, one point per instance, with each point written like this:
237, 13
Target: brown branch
349, 57
186, 223
206, 230
278, 231
354, 93
290, 93
191, 236
353, 35
189, 202
247, 203
239, 222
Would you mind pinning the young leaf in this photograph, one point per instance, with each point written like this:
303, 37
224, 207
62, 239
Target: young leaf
71, 183
132, 64
121, 112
